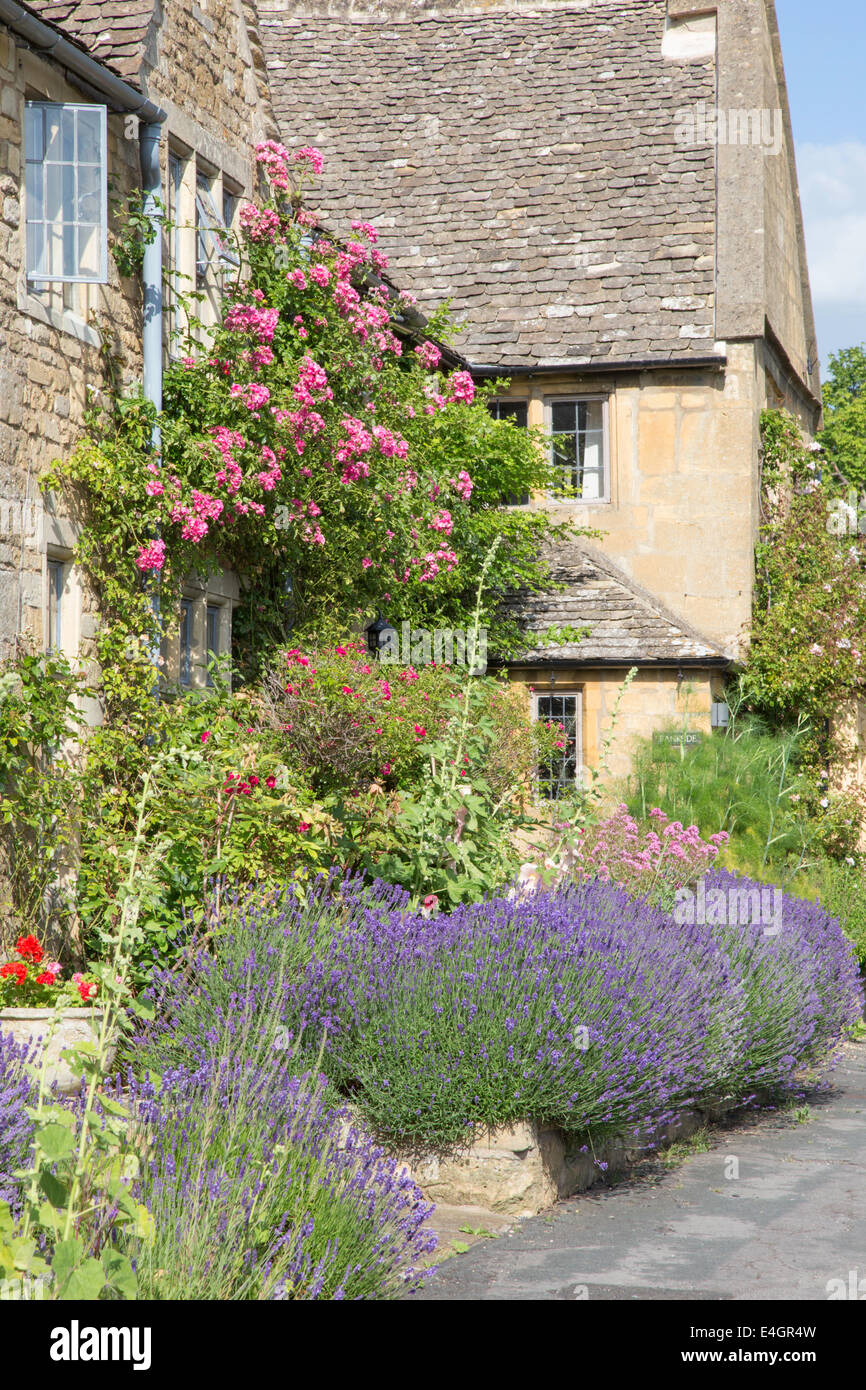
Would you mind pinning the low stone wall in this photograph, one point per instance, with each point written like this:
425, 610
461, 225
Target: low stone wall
519, 1170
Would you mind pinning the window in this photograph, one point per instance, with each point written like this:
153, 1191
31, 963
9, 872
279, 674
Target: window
185, 667
560, 774
213, 637
214, 254
56, 584
518, 411
579, 449
175, 202
66, 190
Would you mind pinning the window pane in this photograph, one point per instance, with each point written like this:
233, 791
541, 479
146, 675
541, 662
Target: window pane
36, 248
64, 192
518, 411
213, 636
186, 642
579, 450
52, 132
89, 249
34, 136
53, 191
55, 596
89, 195
70, 260
67, 136
559, 774
89, 136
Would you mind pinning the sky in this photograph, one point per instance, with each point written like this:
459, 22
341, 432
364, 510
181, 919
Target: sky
824, 47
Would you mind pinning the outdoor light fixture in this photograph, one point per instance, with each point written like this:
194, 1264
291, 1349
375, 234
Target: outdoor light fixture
379, 634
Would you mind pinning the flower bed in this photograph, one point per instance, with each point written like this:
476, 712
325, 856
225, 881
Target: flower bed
257, 1187
583, 1009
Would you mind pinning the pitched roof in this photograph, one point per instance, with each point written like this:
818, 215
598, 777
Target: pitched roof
627, 624
113, 31
520, 158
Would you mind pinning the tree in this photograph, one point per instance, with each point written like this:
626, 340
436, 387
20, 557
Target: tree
844, 434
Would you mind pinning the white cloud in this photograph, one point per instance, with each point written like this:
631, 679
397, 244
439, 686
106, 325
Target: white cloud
833, 192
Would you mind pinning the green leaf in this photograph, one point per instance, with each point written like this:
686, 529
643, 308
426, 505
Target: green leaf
55, 1141
119, 1274
67, 1253
86, 1282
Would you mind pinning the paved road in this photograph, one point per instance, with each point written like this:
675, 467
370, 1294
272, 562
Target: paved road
793, 1219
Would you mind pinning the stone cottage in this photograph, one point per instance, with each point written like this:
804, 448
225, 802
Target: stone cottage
165, 95
606, 192
604, 189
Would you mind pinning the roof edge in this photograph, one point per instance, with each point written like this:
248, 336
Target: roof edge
50, 42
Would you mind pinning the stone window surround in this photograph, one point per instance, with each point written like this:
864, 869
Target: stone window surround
200, 153
569, 691
58, 548
567, 397
220, 591
539, 400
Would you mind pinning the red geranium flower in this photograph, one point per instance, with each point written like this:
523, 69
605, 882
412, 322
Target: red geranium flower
14, 967
46, 978
29, 948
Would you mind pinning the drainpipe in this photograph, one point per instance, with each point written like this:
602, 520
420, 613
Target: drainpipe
149, 134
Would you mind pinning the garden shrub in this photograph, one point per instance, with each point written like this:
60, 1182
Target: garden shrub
258, 1188
751, 782
652, 861
16, 1093
840, 887
582, 1008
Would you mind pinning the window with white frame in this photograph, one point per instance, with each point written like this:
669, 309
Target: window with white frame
560, 773
215, 257
518, 413
56, 586
66, 193
579, 447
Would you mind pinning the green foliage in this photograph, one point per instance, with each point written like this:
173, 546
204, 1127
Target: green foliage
309, 444
75, 1188
134, 230
844, 435
840, 886
750, 782
808, 641
39, 788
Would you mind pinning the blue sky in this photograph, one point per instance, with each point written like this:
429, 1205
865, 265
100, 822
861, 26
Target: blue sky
824, 46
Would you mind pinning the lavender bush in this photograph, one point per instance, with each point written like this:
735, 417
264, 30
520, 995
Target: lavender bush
583, 1007
257, 1188
16, 1093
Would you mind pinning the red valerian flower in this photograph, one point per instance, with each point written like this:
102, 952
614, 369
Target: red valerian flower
29, 948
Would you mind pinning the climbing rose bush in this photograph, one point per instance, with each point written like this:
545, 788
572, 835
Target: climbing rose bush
311, 435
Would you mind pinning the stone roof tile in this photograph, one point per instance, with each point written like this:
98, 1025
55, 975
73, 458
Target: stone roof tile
545, 137
627, 624
113, 31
